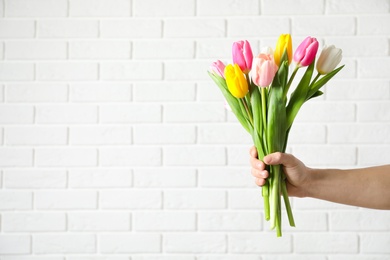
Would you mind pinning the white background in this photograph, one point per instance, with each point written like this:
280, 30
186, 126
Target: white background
116, 145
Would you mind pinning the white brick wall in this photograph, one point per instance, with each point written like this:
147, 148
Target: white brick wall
115, 144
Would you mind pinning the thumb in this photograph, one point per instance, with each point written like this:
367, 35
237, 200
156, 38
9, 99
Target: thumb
280, 158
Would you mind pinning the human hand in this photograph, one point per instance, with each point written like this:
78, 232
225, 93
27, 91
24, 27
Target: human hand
296, 172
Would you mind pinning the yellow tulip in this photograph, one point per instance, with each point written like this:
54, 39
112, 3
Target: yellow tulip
236, 81
284, 42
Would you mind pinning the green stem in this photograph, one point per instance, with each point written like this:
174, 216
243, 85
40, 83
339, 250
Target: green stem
290, 81
247, 111
287, 204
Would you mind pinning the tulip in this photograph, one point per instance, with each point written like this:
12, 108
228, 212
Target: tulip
263, 70
218, 68
284, 43
236, 81
242, 55
329, 58
306, 52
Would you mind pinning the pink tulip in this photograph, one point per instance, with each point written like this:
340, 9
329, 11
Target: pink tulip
218, 68
306, 52
263, 70
242, 55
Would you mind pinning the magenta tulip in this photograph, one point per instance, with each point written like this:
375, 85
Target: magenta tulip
218, 68
306, 52
242, 55
263, 70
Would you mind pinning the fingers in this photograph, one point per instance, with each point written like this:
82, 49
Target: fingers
253, 152
280, 158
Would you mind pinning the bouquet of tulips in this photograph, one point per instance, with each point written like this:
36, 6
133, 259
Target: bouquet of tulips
256, 89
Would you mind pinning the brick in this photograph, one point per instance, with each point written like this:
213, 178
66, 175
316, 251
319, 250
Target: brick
200, 112
366, 69
298, 257
131, 29
72, 28
208, 91
195, 243
194, 199
36, 92
16, 157
130, 243
64, 244
326, 26
131, 70
97, 258
101, 221
18, 29
167, 134
130, 199
35, 179
259, 243
229, 221
16, 114
100, 92
15, 200
101, 50
371, 133
164, 257
230, 257
132, 156
69, 114
73, 71
357, 7
133, 113
257, 27
104, 8
163, 49
100, 178
100, 135
238, 155
186, 70
370, 25
355, 221
35, 135
373, 111
15, 244
194, 156
375, 243
291, 7
12, 71
154, 9
69, 157
245, 199
231, 177
218, 49
163, 91
227, 8
358, 257
223, 134
356, 90
314, 204
70, 200
164, 221
323, 242
326, 155
36, 50
306, 221
194, 27
165, 178
40, 8
378, 46
308, 134
34, 222
369, 155
29, 257
326, 112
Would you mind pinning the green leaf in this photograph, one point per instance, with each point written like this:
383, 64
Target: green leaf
317, 85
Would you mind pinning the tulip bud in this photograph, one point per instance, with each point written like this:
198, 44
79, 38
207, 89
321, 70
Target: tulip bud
263, 70
242, 55
329, 58
284, 43
218, 68
236, 81
306, 52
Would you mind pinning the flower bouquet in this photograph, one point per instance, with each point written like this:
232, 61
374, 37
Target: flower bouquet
256, 90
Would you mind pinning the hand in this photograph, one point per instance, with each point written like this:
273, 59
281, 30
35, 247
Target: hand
296, 172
